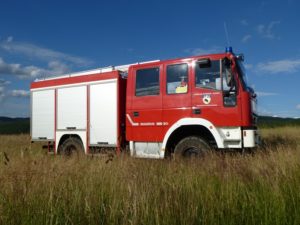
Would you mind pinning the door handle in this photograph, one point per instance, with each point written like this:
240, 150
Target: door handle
136, 114
196, 111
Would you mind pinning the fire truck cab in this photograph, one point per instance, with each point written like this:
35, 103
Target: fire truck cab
188, 106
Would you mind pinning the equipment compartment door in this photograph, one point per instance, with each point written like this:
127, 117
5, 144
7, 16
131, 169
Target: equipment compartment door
103, 113
72, 108
42, 114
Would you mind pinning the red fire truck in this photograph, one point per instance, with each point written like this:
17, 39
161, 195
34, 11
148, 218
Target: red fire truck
184, 107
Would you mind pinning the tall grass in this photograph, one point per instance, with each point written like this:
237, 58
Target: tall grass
259, 188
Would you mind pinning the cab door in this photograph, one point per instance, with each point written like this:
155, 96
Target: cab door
215, 94
145, 114
177, 93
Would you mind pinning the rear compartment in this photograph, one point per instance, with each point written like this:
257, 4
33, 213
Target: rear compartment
87, 107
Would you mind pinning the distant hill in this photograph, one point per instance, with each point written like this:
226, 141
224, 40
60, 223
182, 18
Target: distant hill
14, 125
269, 121
22, 125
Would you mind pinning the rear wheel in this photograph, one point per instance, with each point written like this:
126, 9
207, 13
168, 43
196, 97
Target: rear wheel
191, 147
71, 146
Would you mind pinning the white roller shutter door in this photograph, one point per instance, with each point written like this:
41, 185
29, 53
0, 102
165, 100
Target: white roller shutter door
72, 108
42, 114
103, 113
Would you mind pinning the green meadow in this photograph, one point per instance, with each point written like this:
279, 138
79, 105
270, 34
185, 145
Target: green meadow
232, 188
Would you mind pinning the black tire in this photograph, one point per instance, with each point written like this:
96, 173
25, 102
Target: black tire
71, 146
191, 147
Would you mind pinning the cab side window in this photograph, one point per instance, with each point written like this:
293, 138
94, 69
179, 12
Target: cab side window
147, 82
208, 75
177, 79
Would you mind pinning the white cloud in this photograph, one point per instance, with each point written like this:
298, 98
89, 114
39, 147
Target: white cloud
298, 106
40, 53
31, 72
266, 31
19, 93
248, 66
263, 111
18, 70
246, 38
57, 68
2, 94
264, 94
260, 28
203, 51
10, 39
4, 82
57, 63
244, 22
279, 66
130, 50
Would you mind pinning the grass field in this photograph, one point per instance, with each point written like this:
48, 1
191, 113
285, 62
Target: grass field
261, 188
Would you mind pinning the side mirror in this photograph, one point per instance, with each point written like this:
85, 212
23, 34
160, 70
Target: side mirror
226, 62
240, 57
227, 70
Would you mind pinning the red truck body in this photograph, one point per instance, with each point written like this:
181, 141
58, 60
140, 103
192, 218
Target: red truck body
158, 104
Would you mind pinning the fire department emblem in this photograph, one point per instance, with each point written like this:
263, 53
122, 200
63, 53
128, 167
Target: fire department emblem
206, 99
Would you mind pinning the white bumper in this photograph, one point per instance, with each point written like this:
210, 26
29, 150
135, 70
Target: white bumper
251, 138
236, 137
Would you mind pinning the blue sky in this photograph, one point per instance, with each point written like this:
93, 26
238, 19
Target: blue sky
46, 38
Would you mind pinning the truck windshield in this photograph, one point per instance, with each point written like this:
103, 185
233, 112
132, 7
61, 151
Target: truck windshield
242, 74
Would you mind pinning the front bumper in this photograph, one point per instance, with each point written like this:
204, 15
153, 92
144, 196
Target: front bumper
251, 138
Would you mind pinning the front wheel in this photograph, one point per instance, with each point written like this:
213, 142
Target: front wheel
191, 147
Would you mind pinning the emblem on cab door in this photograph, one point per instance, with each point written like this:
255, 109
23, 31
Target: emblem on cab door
206, 99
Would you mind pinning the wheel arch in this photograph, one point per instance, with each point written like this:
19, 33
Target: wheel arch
64, 137
188, 127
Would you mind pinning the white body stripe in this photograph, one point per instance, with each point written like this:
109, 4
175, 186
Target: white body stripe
131, 121
145, 124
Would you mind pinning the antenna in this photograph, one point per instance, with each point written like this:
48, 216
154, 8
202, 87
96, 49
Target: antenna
226, 33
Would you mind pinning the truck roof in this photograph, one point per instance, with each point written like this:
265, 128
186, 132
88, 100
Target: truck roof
124, 68
121, 68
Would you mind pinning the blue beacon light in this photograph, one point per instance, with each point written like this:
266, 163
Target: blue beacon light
228, 50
